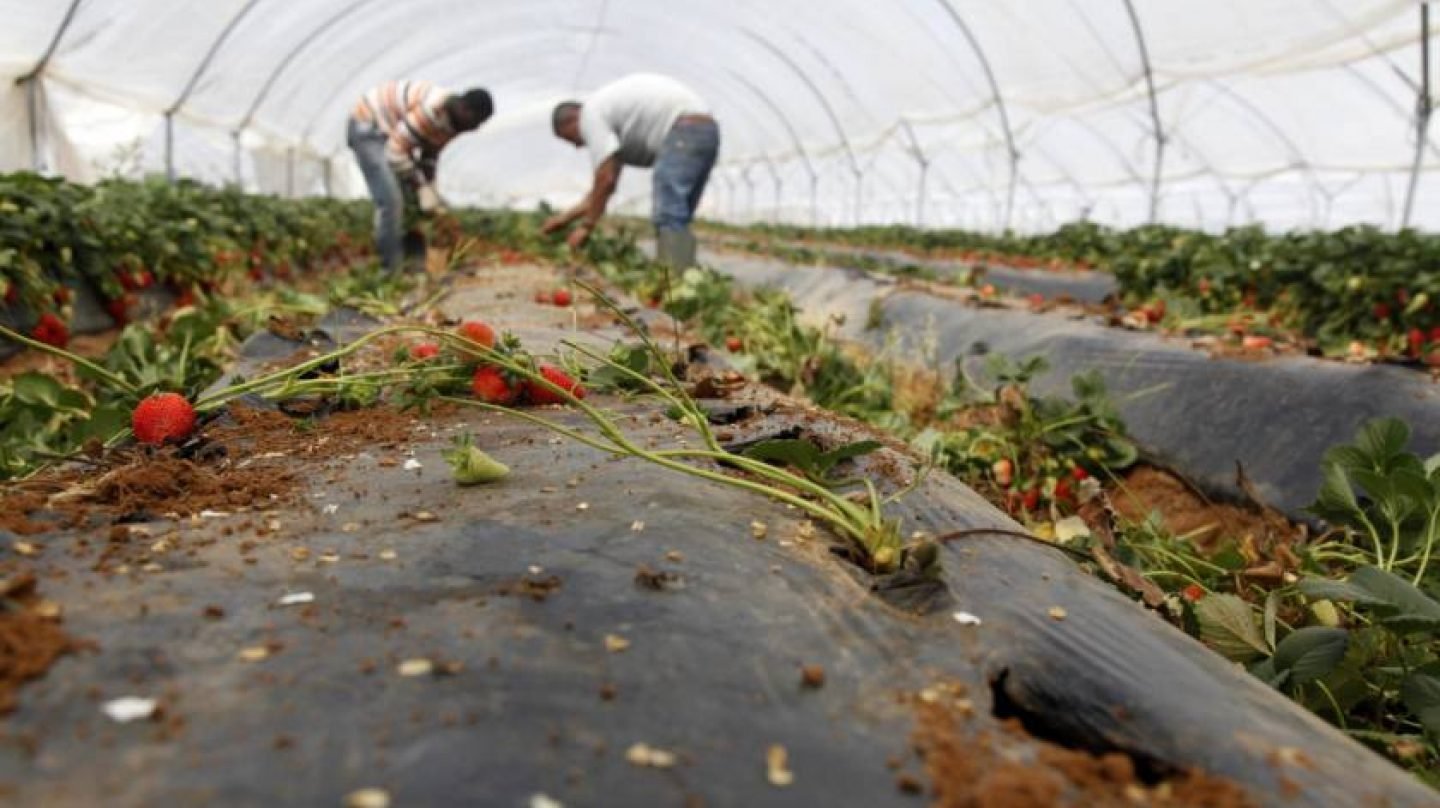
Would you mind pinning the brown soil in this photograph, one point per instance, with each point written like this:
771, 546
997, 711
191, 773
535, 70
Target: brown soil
90, 346
143, 481
262, 431
1184, 512
168, 484
528, 586
988, 770
30, 639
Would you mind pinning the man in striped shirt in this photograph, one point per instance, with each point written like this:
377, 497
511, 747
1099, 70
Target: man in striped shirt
397, 131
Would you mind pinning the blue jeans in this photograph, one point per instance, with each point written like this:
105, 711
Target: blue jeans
368, 143
681, 170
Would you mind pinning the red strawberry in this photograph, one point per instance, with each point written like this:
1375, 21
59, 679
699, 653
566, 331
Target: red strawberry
540, 394
653, 303
185, 298
1079, 473
1193, 593
489, 385
1063, 492
61, 296
733, 344
1415, 339
424, 350
1402, 296
1435, 334
476, 331
144, 279
119, 308
163, 417
1004, 471
1381, 311
542, 296
51, 330
561, 297
1031, 499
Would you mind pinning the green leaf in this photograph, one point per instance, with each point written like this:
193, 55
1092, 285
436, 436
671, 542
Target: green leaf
1311, 653
849, 451
1421, 693
1382, 439
1400, 605
1336, 501
804, 455
36, 388
1227, 624
1322, 589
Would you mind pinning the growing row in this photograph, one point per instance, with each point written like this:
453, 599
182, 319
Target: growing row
120, 237
1358, 284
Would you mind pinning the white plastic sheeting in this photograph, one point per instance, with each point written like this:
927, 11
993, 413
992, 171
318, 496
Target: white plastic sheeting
973, 113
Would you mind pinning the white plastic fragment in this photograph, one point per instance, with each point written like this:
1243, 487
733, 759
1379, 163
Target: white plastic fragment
208, 514
330, 509
415, 667
777, 766
545, 801
412, 464
1071, 528
967, 619
129, 708
614, 643
368, 798
641, 754
296, 598
637, 525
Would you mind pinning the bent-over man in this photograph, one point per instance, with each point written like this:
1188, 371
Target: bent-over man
642, 120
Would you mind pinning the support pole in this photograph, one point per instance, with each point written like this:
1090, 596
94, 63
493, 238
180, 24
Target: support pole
32, 110
290, 172
814, 199
236, 157
924, 163
859, 191
170, 147
749, 192
1154, 111
325, 176
1423, 108
31, 80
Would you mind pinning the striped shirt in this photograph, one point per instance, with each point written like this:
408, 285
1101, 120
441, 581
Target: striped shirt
412, 114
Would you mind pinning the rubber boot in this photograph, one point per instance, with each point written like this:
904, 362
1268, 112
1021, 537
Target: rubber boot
675, 248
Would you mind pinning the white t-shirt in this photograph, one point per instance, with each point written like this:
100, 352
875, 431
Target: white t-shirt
633, 115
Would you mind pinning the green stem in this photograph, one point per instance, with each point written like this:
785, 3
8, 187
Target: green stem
1429, 545
74, 359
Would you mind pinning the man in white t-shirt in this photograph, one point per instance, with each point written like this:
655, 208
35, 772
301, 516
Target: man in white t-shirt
642, 120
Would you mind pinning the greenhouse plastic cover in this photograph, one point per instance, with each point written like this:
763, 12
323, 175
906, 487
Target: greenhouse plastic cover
1294, 113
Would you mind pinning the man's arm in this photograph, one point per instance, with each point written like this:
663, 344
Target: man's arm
592, 207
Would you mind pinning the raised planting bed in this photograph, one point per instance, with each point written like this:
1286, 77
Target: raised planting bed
1276, 416
320, 614
1057, 283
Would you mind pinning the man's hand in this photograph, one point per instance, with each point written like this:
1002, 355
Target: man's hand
429, 200
579, 236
